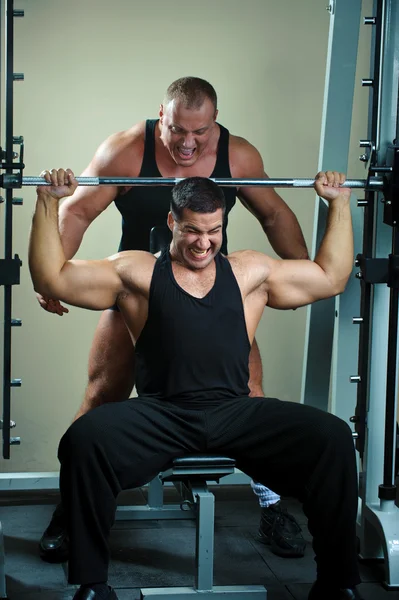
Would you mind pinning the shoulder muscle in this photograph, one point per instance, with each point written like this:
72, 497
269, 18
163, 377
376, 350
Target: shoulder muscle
245, 159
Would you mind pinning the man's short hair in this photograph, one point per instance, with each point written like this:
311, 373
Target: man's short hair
192, 91
198, 194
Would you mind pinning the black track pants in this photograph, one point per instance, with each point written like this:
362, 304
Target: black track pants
293, 449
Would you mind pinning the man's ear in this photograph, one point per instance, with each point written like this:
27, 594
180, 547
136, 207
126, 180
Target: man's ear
171, 221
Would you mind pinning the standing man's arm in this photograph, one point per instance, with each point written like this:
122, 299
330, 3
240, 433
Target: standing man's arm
116, 157
276, 218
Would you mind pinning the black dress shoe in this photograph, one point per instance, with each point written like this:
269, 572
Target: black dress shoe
323, 592
350, 594
86, 593
53, 546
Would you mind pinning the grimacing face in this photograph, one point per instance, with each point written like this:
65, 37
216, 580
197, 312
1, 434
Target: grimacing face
197, 237
186, 132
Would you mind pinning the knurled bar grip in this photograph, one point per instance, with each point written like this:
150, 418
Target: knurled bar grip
274, 183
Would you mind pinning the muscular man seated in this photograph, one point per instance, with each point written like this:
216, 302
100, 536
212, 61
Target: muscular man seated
192, 314
185, 141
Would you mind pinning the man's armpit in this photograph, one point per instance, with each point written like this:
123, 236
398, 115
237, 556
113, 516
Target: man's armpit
122, 296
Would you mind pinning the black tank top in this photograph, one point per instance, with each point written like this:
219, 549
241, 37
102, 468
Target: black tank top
193, 349
145, 207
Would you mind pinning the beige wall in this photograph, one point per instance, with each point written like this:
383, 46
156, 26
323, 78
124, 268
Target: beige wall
93, 67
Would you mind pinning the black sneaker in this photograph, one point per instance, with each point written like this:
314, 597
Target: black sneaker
53, 546
281, 531
324, 592
86, 593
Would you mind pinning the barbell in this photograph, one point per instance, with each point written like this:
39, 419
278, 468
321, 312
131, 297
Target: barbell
375, 183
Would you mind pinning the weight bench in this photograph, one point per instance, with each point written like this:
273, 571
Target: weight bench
190, 474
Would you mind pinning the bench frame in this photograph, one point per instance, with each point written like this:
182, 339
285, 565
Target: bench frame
190, 476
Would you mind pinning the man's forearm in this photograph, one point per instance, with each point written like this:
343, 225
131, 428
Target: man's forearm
335, 255
72, 228
46, 254
285, 235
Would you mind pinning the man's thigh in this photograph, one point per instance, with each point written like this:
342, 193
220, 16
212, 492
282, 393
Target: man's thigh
137, 437
271, 440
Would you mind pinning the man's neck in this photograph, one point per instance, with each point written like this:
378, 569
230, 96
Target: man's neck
181, 263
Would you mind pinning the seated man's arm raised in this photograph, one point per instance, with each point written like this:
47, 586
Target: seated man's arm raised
118, 156
89, 284
291, 284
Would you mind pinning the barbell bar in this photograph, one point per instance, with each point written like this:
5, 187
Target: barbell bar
371, 183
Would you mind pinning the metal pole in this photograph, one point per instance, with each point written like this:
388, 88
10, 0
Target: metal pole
387, 491
148, 181
329, 350
369, 238
9, 102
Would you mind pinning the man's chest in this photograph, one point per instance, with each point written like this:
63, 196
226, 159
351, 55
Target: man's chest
195, 284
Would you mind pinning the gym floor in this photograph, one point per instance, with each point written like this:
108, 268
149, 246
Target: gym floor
161, 553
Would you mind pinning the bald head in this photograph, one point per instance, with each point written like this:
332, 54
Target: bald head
191, 92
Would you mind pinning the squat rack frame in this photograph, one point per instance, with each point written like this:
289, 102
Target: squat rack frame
366, 393
377, 529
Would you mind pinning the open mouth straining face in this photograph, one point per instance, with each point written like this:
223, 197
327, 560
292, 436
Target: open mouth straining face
199, 255
197, 237
186, 132
185, 153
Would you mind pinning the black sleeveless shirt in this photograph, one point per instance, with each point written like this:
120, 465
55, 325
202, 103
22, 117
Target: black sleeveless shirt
145, 207
193, 349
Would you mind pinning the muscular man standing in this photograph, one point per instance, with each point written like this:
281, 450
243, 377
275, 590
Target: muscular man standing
192, 314
185, 141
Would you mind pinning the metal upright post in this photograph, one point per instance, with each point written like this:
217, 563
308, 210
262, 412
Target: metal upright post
378, 360
368, 250
11, 266
334, 149
387, 490
3, 586
9, 116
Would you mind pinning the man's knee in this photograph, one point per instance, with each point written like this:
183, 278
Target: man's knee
334, 431
78, 439
342, 431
